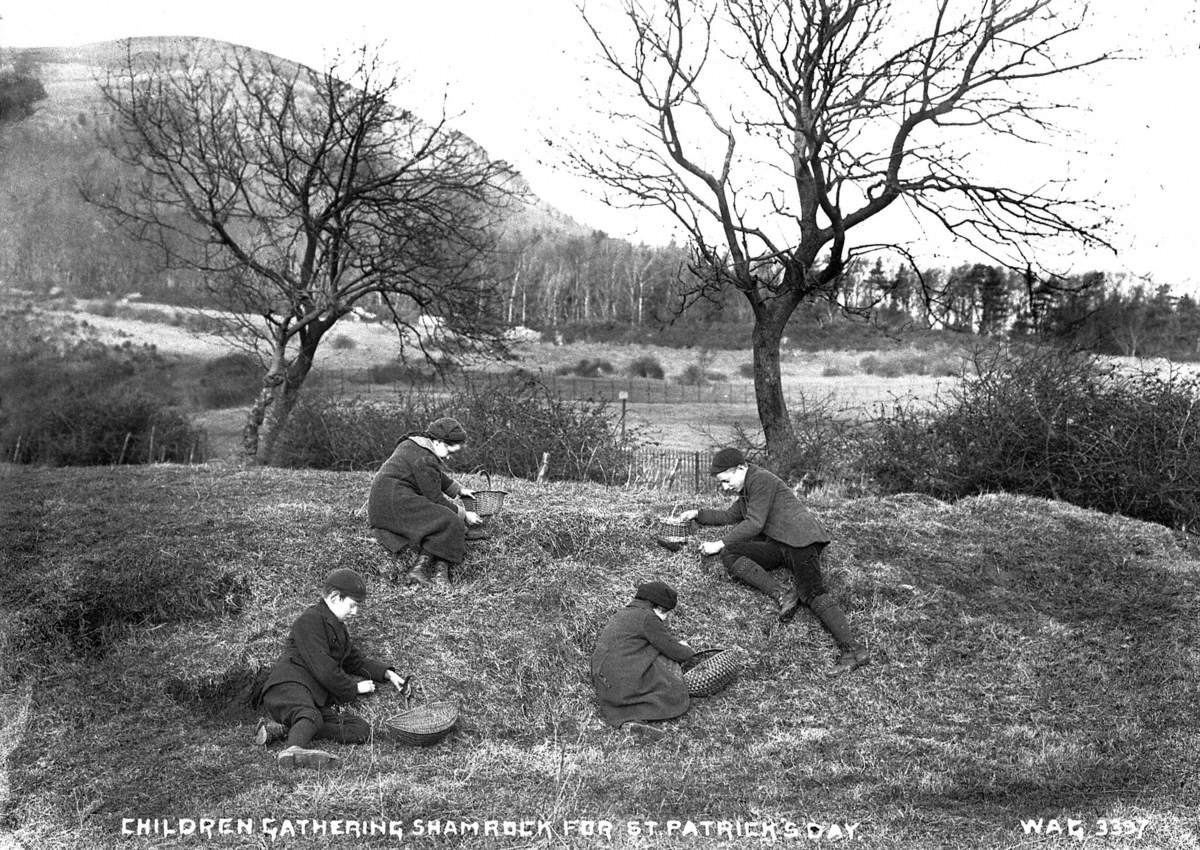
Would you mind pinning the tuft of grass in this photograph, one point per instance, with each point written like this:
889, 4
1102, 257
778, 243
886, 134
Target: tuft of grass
1035, 659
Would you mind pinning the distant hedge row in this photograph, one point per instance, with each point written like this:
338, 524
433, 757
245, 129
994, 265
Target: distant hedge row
510, 427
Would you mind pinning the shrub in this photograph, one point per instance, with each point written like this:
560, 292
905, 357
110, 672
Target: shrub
587, 367
510, 423
341, 342
231, 380
77, 401
204, 323
934, 361
106, 426
1055, 425
106, 308
414, 373
827, 445
746, 370
645, 366
693, 376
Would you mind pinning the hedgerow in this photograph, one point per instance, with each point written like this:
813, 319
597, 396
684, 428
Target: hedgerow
511, 424
73, 401
1052, 424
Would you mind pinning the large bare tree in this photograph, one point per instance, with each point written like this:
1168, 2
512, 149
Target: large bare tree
296, 194
772, 129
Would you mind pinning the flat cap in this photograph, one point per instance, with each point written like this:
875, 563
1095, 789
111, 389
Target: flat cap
726, 459
447, 430
657, 593
348, 583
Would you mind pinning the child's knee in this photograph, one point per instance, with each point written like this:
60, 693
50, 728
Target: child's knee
355, 730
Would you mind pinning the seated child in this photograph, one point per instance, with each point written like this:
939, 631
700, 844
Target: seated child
635, 666
318, 668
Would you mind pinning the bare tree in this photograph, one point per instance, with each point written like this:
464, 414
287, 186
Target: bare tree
840, 109
297, 194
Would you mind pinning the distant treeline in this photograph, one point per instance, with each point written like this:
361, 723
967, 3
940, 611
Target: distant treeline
568, 282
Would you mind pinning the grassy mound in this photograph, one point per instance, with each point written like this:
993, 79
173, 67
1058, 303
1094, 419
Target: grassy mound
1036, 661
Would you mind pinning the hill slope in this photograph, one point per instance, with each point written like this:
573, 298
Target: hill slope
50, 236
1037, 661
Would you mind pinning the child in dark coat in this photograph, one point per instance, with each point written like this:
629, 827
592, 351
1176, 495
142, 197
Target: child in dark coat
772, 528
412, 501
636, 664
318, 668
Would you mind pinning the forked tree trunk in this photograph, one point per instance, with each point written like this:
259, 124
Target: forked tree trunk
268, 417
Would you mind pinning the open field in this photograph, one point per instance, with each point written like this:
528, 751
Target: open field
695, 416
1037, 661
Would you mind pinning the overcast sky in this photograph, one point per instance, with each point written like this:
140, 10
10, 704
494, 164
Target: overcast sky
514, 71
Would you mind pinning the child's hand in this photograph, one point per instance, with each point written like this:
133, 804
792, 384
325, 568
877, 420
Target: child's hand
688, 516
466, 491
366, 686
403, 684
474, 518
711, 547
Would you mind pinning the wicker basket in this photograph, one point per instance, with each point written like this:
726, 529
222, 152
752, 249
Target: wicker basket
485, 502
425, 724
711, 670
674, 530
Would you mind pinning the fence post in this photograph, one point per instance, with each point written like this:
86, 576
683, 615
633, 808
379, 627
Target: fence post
696, 472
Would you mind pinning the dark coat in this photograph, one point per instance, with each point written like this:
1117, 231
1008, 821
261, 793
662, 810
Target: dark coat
768, 508
319, 654
635, 667
411, 496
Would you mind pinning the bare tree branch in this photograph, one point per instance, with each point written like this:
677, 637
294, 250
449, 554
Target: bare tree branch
838, 111
299, 194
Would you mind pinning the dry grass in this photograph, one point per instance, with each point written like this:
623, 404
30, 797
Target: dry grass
1037, 660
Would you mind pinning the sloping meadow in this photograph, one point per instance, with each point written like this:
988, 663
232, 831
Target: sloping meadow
1035, 662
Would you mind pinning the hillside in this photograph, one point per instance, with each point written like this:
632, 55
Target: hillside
60, 240
1037, 661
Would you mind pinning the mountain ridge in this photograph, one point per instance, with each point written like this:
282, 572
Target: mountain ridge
70, 74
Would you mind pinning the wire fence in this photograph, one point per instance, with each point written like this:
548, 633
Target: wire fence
362, 382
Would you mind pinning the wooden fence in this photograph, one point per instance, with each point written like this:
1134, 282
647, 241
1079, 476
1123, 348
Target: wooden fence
346, 382
668, 470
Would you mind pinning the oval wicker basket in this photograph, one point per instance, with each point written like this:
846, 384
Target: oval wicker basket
711, 670
424, 724
485, 502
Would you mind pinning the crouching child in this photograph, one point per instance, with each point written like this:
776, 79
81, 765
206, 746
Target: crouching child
318, 669
772, 528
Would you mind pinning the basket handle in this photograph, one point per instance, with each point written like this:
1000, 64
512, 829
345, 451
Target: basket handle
486, 475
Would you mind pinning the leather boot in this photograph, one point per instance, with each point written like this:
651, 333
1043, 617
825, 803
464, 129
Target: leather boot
441, 574
744, 569
853, 654
421, 569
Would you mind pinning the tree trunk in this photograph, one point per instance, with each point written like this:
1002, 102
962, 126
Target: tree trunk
268, 417
768, 386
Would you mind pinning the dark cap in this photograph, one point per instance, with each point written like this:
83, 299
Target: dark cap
447, 430
657, 593
726, 459
348, 583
